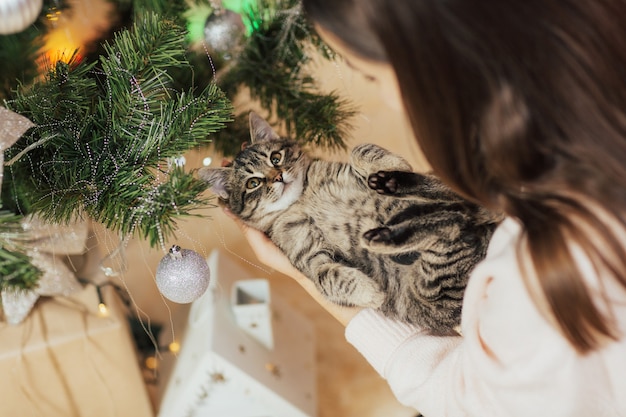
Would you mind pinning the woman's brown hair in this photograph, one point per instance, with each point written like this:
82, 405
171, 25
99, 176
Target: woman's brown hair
520, 106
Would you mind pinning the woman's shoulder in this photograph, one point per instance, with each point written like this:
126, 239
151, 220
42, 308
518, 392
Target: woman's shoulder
499, 312
512, 340
503, 306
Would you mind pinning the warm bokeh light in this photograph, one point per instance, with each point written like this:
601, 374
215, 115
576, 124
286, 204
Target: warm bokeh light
151, 362
103, 310
174, 347
69, 34
53, 14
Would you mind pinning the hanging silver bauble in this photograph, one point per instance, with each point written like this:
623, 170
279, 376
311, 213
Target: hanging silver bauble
223, 32
17, 15
182, 275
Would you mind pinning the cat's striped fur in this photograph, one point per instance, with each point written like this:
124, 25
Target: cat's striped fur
408, 254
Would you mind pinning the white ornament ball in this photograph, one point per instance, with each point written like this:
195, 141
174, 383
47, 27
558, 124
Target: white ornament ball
17, 15
223, 32
182, 275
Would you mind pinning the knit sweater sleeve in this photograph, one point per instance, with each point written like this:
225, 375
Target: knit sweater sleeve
408, 358
510, 360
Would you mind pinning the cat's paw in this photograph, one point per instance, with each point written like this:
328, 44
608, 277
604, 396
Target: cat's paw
379, 235
383, 182
368, 294
385, 241
381, 240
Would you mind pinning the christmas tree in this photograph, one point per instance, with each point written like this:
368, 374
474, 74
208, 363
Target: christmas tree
109, 126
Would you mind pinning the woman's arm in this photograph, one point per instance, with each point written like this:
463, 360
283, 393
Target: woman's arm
270, 255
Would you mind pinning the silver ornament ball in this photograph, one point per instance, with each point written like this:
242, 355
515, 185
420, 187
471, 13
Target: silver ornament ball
183, 275
17, 15
223, 32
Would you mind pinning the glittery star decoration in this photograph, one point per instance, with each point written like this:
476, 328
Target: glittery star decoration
57, 279
45, 241
12, 127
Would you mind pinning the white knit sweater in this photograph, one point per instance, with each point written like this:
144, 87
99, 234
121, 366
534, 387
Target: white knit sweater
510, 361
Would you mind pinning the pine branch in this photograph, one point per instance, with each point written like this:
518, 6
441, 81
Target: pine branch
271, 66
166, 202
105, 134
16, 270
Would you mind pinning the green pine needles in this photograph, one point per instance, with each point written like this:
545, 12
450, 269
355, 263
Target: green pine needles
272, 65
108, 134
110, 130
16, 270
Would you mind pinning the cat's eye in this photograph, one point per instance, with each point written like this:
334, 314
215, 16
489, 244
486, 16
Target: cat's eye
276, 158
253, 183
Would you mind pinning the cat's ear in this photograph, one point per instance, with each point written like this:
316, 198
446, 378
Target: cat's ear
260, 130
217, 179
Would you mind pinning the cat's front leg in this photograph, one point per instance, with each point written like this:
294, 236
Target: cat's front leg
404, 184
415, 234
368, 158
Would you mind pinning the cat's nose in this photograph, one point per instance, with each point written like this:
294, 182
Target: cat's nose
278, 177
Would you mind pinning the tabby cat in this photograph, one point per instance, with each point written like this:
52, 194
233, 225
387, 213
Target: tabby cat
368, 232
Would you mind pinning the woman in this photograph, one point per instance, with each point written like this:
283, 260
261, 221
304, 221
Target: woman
520, 106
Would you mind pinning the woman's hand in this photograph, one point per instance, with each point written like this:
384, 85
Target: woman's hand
270, 255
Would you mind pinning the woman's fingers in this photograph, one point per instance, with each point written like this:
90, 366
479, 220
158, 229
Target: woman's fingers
265, 250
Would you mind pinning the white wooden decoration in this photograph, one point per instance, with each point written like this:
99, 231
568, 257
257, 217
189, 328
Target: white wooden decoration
250, 300
245, 353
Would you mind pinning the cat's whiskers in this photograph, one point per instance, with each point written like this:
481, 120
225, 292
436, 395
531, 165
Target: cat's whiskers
288, 191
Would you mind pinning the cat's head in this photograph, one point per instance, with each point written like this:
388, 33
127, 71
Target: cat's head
265, 178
